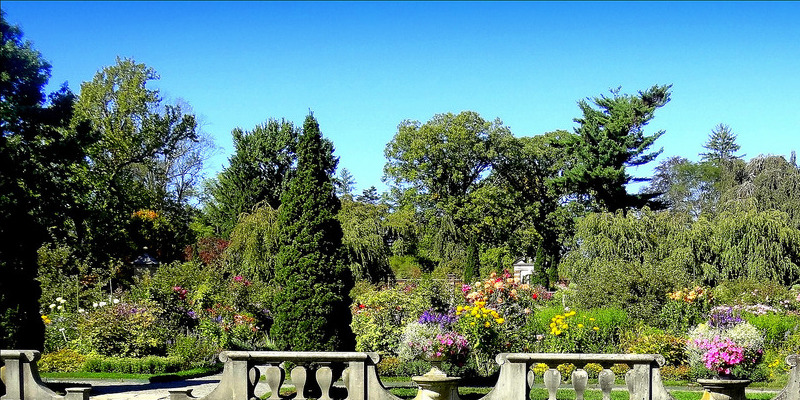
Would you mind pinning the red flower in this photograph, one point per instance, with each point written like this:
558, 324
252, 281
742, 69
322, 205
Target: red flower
535, 296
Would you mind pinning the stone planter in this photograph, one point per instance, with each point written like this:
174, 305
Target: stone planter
436, 385
725, 389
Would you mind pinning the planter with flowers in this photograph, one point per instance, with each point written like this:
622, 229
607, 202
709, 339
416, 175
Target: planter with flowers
728, 347
431, 338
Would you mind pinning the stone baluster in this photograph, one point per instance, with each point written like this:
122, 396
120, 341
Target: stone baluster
606, 379
325, 381
580, 378
274, 378
299, 377
552, 380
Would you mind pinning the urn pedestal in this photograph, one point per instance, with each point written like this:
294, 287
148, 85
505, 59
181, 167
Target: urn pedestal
725, 389
436, 385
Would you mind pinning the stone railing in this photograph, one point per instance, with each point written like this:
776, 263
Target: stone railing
241, 373
313, 375
517, 377
792, 389
20, 376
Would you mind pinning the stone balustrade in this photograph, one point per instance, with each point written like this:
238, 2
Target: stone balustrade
517, 376
313, 375
20, 376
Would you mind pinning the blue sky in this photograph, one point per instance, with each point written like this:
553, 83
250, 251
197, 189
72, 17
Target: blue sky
363, 67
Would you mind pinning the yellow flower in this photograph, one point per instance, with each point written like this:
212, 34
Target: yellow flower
500, 320
591, 319
487, 324
46, 320
552, 324
569, 314
580, 325
596, 328
472, 323
459, 309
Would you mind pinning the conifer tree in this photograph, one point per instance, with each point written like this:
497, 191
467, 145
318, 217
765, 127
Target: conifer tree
311, 309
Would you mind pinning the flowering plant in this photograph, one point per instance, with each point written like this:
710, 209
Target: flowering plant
431, 338
726, 345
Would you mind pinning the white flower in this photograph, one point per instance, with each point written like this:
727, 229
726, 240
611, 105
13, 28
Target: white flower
103, 303
116, 301
52, 306
94, 304
60, 308
61, 329
80, 310
60, 299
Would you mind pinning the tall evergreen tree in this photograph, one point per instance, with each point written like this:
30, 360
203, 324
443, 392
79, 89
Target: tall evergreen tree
38, 160
258, 172
721, 145
312, 308
610, 138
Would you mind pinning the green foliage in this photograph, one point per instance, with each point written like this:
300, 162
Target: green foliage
748, 291
650, 341
364, 237
610, 138
590, 331
138, 137
627, 260
123, 330
721, 145
128, 365
311, 310
746, 243
687, 187
776, 328
379, 316
64, 360
257, 173
38, 160
678, 316
196, 350
254, 244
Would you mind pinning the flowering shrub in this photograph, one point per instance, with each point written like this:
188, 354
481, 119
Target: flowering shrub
572, 333
483, 328
729, 346
380, 315
685, 308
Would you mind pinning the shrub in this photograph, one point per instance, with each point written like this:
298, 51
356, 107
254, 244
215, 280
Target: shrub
123, 330
379, 316
734, 350
639, 341
776, 328
128, 365
675, 373
755, 291
196, 350
64, 360
591, 331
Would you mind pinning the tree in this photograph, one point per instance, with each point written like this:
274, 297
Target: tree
365, 239
610, 138
369, 195
687, 187
258, 172
137, 136
721, 145
435, 168
345, 184
254, 245
38, 157
312, 308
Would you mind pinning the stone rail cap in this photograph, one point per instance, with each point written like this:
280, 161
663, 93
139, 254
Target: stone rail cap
299, 356
581, 358
25, 355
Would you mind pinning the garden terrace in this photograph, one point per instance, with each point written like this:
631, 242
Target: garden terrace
314, 373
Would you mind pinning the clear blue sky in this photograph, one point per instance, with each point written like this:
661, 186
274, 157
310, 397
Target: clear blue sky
364, 67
